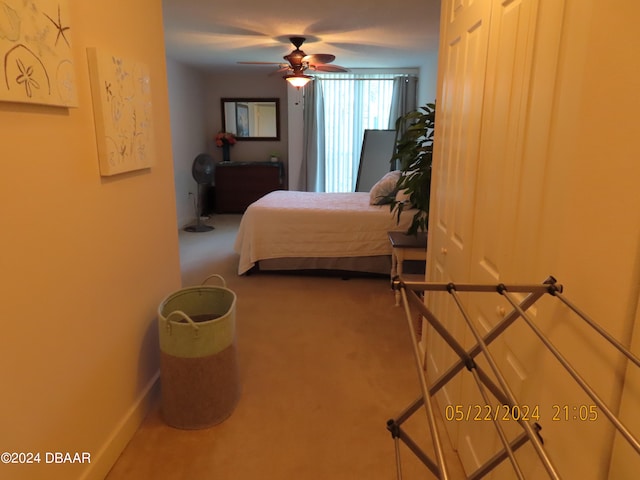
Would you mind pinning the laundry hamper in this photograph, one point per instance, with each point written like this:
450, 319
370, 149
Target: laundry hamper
198, 357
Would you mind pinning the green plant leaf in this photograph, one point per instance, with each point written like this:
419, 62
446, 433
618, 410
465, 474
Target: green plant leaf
414, 155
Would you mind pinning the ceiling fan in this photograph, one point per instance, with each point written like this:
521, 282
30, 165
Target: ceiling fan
299, 62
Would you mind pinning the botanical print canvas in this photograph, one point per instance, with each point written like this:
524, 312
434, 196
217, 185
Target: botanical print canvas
121, 93
36, 53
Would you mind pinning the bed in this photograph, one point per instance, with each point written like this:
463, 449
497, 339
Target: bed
291, 230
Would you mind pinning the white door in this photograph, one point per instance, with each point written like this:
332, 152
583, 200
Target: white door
532, 196
510, 186
485, 182
462, 65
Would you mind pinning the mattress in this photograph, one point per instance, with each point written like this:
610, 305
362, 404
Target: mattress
290, 224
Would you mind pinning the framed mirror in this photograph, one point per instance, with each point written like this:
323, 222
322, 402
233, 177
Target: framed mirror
251, 118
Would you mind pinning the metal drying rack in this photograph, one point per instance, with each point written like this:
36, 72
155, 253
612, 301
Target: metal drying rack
501, 391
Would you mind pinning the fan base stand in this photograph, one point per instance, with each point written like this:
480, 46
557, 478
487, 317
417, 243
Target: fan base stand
198, 228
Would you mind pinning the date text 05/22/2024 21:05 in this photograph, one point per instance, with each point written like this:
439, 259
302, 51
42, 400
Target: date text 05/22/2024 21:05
502, 412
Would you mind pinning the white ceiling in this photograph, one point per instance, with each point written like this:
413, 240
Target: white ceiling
360, 33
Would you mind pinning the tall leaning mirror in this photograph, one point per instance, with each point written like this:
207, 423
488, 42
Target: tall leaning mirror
251, 118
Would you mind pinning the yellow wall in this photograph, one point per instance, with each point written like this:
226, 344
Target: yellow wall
594, 222
84, 261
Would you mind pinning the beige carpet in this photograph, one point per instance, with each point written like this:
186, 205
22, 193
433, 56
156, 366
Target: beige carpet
324, 363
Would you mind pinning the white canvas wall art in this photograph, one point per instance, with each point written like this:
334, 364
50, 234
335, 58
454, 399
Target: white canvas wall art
121, 93
36, 54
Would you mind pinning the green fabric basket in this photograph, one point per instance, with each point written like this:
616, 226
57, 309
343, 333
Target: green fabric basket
182, 330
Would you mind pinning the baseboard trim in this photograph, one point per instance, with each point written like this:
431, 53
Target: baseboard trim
105, 458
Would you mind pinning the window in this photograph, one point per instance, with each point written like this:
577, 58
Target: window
352, 103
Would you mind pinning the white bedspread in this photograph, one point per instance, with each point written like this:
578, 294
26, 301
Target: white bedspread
286, 224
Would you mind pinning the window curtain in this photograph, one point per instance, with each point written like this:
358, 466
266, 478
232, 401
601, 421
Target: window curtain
403, 100
312, 170
353, 103
337, 110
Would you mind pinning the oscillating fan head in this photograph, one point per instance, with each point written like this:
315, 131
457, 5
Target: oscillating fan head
202, 169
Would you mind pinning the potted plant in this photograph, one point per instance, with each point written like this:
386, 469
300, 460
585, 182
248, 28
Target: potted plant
413, 156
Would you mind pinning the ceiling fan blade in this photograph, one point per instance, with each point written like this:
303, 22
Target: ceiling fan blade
280, 70
319, 58
328, 68
259, 63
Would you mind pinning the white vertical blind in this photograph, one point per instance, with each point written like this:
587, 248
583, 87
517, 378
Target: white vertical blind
353, 103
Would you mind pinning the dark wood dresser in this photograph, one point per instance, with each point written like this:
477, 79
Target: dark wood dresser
238, 184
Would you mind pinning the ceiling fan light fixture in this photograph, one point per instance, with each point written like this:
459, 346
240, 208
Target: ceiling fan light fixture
299, 80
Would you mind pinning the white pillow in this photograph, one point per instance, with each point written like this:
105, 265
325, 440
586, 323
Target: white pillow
383, 188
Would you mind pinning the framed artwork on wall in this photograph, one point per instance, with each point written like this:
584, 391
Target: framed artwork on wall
242, 119
121, 93
36, 53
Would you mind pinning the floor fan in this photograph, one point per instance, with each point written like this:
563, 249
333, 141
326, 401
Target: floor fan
202, 171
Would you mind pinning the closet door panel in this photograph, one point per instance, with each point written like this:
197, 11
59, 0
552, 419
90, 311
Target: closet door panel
510, 180
462, 65
503, 122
